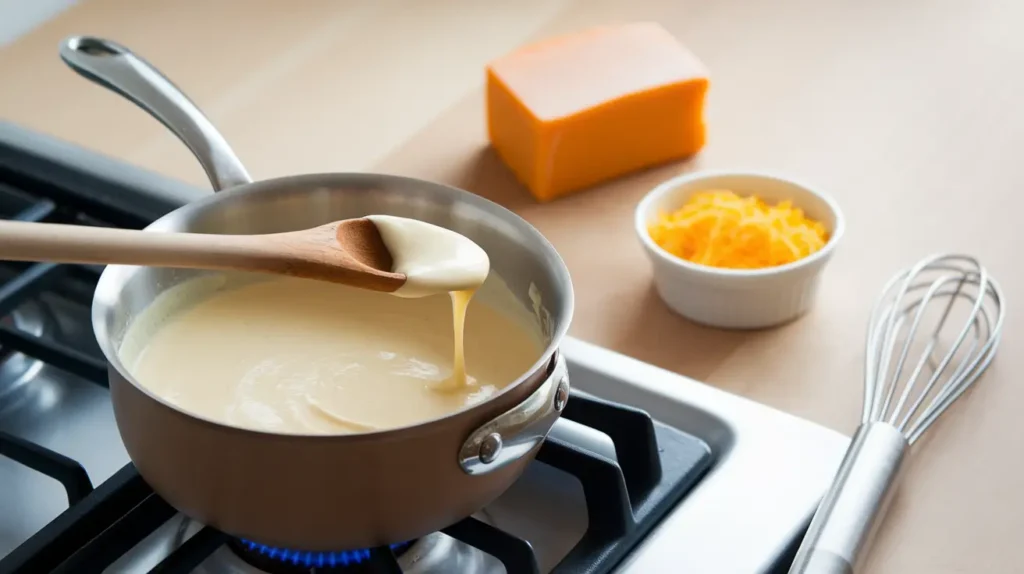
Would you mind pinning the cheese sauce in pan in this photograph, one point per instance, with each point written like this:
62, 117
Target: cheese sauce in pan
297, 356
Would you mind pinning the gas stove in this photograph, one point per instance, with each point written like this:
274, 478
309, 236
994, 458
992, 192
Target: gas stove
647, 471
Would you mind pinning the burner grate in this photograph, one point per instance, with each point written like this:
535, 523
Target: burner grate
65, 470
656, 467
37, 190
27, 283
625, 500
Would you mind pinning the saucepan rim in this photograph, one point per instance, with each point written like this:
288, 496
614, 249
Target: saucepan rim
115, 278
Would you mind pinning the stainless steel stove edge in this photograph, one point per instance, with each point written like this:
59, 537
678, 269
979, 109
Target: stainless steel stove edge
770, 468
51, 159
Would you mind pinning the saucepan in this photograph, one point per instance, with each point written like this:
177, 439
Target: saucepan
317, 492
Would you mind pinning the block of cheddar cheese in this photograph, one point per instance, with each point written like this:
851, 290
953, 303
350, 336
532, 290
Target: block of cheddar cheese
570, 112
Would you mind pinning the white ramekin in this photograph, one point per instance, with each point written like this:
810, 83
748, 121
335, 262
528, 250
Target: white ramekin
736, 298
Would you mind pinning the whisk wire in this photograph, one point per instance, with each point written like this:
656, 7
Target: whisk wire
982, 329
973, 371
909, 392
893, 327
893, 324
933, 342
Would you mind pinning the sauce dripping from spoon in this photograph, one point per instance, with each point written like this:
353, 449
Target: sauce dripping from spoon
436, 260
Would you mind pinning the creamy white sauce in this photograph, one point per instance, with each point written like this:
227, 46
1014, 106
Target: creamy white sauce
433, 259
303, 357
297, 356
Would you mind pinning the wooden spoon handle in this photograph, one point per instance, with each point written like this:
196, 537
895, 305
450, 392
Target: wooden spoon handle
58, 243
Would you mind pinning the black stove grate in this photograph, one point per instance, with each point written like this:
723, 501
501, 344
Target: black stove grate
25, 282
625, 499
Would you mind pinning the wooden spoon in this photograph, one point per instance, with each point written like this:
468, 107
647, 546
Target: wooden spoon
350, 251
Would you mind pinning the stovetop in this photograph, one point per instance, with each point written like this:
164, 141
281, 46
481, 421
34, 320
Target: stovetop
732, 488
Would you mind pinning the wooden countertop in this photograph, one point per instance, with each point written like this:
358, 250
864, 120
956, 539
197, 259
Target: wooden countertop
907, 112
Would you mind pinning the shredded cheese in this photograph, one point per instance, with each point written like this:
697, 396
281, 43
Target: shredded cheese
719, 228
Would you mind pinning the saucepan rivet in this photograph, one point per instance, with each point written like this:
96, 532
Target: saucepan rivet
490, 447
561, 395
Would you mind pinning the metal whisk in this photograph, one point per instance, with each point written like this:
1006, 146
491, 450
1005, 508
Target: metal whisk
908, 383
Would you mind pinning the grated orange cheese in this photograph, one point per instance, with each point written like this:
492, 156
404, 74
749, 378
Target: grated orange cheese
719, 228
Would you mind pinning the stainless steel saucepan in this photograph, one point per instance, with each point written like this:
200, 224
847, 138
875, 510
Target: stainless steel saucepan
322, 493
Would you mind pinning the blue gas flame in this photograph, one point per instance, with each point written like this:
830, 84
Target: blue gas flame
313, 559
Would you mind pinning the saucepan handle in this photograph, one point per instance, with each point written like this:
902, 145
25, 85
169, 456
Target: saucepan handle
115, 67
514, 433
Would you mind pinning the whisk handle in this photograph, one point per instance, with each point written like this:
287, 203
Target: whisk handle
846, 519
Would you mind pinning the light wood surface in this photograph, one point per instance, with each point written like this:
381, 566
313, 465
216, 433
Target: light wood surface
907, 112
350, 252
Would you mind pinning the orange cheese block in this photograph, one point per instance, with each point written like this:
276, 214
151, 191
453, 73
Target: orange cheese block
570, 112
